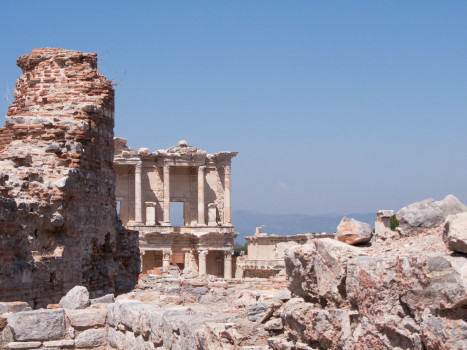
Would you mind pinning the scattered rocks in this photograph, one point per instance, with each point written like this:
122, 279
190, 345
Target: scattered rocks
455, 232
352, 231
76, 298
428, 213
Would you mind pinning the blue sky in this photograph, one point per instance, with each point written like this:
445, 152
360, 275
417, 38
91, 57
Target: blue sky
333, 106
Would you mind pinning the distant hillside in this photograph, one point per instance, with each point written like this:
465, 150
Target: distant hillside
245, 223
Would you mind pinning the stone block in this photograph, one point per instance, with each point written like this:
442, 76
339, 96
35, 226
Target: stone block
106, 299
24, 345
91, 338
37, 325
455, 232
13, 306
64, 343
87, 317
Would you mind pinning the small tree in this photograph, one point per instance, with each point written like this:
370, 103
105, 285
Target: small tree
394, 223
240, 248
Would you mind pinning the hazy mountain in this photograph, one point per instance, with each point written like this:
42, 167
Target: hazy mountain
245, 223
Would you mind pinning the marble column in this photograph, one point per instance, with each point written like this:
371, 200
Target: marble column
228, 264
166, 195
141, 256
166, 257
138, 197
227, 215
202, 261
201, 206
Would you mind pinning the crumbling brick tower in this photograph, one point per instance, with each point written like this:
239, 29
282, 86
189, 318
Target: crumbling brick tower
57, 206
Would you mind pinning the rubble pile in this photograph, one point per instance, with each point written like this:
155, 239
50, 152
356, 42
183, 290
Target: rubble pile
58, 225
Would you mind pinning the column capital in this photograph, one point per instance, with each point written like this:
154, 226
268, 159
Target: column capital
166, 169
228, 255
166, 254
203, 253
227, 169
139, 167
201, 168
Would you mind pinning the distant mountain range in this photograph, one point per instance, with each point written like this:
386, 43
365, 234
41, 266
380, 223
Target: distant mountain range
245, 222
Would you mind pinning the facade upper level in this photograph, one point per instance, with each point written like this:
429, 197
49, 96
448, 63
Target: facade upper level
148, 182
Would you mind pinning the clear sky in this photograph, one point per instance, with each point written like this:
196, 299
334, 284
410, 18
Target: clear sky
333, 106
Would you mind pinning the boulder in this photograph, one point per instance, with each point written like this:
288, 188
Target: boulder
91, 338
352, 231
317, 270
455, 232
37, 324
76, 298
428, 213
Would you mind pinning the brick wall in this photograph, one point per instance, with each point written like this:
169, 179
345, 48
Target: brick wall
57, 201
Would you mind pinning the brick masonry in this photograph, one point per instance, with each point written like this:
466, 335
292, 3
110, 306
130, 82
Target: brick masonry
58, 224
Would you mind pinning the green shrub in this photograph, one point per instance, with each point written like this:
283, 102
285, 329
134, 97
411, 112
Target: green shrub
394, 223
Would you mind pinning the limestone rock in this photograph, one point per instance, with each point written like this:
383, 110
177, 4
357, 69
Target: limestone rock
190, 272
37, 325
442, 333
13, 306
91, 338
328, 329
318, 270
76, 298
455, 232
352, 231
428, 213
87, 318
24, 345
106, 299
256, 311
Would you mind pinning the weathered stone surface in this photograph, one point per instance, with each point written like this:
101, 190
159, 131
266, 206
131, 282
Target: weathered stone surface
76, 298
328, 329
3, 322
64, 343
87, 318
190, 272
24, 345
13, 306
106, 299
455, 232
37, 325
444, 334
274, 325
428, 213
57, 200
317, 270
257, 311
352, 231
91, 338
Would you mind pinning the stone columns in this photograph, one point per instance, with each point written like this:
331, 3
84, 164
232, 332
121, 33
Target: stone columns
166, 257
227, 217
138, 198
166, 195
202, 262
201, 206
141, 255
228, 264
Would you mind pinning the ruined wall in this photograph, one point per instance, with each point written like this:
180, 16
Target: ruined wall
57, 204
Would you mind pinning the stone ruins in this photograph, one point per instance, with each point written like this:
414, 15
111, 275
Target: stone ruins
266, 253
147, 182
70, 267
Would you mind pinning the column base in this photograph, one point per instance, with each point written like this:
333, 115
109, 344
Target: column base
201, 225
166, 224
